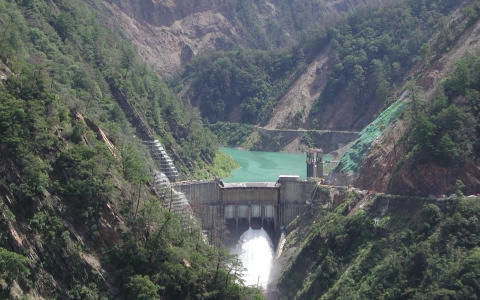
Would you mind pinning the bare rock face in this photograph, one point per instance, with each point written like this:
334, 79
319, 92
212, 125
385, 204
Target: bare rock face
169, 33
162, 13
422, 180
303, 93
384, 155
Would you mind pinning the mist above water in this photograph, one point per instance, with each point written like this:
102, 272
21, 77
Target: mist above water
255, 251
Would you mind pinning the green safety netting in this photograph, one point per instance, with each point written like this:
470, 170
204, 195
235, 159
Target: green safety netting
350, 162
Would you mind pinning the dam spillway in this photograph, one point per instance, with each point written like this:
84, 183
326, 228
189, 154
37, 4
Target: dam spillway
251, 203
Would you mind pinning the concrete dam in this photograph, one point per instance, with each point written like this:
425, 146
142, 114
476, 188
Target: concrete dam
255, 204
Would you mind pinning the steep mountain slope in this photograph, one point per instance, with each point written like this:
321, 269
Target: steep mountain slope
386, 166
337, 78
82, 214
294, 107
168, 34
354, 245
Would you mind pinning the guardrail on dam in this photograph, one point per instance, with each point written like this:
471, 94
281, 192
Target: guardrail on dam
260, 202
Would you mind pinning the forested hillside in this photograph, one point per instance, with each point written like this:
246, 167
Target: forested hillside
92, 70
242, 86
444, 136
168, 34
78, 219
369, 247
372, 51
431, 145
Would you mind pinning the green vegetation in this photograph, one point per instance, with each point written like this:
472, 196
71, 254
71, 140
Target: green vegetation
64, 50
12, 266
84, 213
242, 82
429, 252
222, 166
231, 134
80, 206
376, 46
446, 132
307, 139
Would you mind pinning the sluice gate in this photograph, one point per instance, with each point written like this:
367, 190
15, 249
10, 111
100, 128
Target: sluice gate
254, 204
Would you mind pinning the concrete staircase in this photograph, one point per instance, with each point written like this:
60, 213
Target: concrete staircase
175, 201
162, 160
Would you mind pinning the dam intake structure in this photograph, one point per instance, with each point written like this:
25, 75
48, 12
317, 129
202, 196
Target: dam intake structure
270, 205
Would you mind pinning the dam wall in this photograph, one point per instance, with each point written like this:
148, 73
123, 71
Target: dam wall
251, 203
201, 192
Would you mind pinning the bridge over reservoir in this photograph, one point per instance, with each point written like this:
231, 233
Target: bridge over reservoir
253, 203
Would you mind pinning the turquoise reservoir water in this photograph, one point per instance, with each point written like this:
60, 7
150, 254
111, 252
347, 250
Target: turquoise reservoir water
259, 166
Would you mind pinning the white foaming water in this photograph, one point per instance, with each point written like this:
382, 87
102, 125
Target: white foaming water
255, 250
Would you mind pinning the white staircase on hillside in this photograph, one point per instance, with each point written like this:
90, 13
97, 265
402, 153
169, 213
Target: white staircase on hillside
175, 201
161, 158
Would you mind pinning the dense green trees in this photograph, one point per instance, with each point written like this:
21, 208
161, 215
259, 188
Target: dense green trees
376, 46
231, 134
63, 47
373, 48
83, 206
241, 85
12, 266
429, 252
447, 131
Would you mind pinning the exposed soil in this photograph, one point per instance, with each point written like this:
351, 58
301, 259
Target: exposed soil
303, 93
168, 34
377, 170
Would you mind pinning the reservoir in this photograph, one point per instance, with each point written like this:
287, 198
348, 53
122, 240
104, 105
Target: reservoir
261, 166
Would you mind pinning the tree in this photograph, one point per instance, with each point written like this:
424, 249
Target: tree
12, 266
382, 91
425, 52
142, 288
128, 58
459, 185
458, 83
424, 132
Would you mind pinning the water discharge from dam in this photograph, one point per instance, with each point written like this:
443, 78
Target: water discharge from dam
255, 251
254, 247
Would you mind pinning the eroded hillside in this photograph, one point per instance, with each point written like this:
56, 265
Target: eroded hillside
84, 212
386, 166
168, 34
